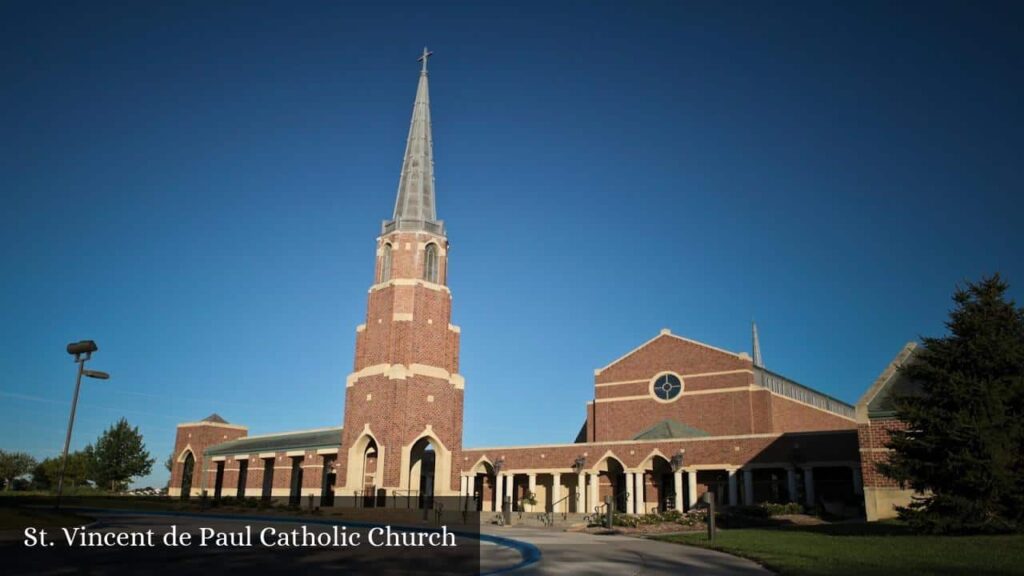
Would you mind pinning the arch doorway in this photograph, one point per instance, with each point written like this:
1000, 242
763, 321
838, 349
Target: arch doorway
186, 476
369, 475
422, 463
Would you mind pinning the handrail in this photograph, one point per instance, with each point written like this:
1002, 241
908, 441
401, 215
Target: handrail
548, 516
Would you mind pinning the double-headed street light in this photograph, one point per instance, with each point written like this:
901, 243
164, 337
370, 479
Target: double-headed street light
82, 351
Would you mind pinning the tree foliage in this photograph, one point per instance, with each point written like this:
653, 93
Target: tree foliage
80, 465
119, 456
13, 465
964, 444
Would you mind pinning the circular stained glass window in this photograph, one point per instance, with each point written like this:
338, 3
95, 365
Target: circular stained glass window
667, 386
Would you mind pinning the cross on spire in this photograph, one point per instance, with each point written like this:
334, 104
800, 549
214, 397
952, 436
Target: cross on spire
426, 54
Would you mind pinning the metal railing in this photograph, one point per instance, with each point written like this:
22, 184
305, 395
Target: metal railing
411, 498
790, 389
548, 517
434, 227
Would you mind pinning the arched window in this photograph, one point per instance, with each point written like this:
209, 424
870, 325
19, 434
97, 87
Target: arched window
385, 264
430, 263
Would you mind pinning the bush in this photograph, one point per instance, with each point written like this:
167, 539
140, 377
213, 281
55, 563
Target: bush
774, 509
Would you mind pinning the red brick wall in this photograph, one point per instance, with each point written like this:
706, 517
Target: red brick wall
198, 436
872, 438
398, 410
770, 448
792, 416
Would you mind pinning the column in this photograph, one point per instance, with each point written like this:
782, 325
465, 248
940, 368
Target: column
556, 491
809, 485
581, 496
630, 501
748, 486
791, 483
733, 488
531, 483
638, 485
691, 487
677, 479
499, 491
858, 482
595, 492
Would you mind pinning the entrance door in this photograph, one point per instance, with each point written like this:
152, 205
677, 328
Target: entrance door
268, 479
186, 476
327, 482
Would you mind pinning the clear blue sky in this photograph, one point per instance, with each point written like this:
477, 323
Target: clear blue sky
198, 186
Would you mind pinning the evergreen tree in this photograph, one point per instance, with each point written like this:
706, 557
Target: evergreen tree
964, 443
119, 456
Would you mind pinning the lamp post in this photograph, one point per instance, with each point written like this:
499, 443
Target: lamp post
82, 351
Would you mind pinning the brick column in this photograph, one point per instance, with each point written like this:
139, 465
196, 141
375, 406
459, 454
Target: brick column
630, 501
748, 486
733, 488
677, 479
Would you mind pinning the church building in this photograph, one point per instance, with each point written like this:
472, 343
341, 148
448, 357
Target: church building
667, 422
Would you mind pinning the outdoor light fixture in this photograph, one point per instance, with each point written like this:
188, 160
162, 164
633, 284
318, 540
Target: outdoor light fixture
677, 461
82, 351
499, 464
579, 464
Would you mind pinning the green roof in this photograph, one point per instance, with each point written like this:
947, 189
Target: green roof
302, 440
668, 429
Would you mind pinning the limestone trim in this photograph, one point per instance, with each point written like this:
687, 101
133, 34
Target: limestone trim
482, 460
187, 449
650, 458
681, 376
410, 282
401, 317
361, 328
215, 424
666, 332
238, 457
682, 393
442, 463
603, 460
323, 429
293, 453
267, 455
883, 379
218, 459
401, 372
885, 450
455, 328
328, 451
354, 470
585, 445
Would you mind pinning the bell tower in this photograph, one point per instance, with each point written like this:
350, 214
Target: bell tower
404, 397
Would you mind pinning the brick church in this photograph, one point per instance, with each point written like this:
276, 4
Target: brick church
667, 422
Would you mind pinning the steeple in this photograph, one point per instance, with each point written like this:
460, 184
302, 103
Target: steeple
758, 361
414, 207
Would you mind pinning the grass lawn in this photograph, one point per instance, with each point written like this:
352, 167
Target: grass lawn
866, 550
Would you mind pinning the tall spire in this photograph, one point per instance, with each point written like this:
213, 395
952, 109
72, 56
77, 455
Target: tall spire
414, 207
758, 361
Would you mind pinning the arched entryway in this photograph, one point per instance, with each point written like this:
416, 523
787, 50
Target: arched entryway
187, 470
422, 481
662, 480
482, 488
612, 482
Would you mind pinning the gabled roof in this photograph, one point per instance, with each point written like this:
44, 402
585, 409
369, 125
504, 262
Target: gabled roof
670, 429
877, 402
665, 332
215, 418
301, 440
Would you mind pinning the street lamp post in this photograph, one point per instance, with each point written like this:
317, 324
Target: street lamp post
82, 351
